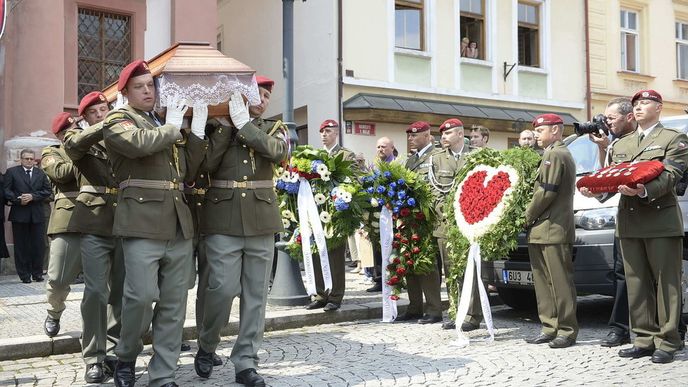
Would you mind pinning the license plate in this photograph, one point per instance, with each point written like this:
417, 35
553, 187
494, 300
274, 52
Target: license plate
520, 277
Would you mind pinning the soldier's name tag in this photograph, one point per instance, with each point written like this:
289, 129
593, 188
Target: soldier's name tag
425, 165
619, 156
651, 148
547, 162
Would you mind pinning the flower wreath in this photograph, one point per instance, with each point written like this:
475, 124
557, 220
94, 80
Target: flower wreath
338, 196
409, 199
495, 188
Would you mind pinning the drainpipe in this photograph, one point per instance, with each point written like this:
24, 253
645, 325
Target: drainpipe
340, 79
588, 91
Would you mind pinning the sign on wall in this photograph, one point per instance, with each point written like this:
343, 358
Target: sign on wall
364, 129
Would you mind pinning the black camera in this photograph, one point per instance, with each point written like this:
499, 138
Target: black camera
599, 122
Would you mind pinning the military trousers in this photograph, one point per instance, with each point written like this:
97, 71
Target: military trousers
156, 272
199, 268
238, 266
475, 312
653, 277
618, 321
101, 305
554, 288
338, 273
64, 266
427, 285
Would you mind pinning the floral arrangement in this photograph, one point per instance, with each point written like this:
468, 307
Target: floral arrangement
409, 199
338, 196
489, 207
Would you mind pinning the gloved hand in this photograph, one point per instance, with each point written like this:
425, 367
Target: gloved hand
175, 112
238, 111
200, 117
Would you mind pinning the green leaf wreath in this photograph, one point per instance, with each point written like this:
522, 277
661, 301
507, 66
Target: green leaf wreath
501, 239
338, 196
410, 200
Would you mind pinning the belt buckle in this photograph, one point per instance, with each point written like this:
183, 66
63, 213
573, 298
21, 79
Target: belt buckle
111, 191
174, 185
240, 184
199, 191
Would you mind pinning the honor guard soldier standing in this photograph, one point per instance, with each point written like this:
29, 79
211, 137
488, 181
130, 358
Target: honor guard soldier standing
420, 138
239, 220
150, 161
549, 218
101, 252
650, 230
445, 165
65, 258
331, 300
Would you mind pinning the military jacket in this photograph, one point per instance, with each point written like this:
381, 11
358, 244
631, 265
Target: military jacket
658, 214
444, 167
95, 205
244, 155
421, 165
550, 213
62, 173
140, 149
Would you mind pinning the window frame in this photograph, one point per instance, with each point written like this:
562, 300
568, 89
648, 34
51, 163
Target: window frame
623, 32
482, 45
412, 4
681, 41
533, 27
102, 61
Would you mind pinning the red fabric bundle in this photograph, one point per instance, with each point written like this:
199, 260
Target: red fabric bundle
627, 173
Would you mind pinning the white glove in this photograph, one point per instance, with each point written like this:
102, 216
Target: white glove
200, 117
175, 113
238, 112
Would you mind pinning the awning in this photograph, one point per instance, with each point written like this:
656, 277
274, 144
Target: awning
365, 101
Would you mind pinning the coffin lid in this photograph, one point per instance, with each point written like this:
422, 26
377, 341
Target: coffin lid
189, 58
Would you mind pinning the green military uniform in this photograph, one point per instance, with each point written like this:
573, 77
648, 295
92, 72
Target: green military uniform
336, 256
239, 220
427, 284
64, 264
445, 166
650, 230
195, 195
549, 217
150, 161
101, 252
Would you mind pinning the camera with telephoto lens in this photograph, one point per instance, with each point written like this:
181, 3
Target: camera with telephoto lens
599, 122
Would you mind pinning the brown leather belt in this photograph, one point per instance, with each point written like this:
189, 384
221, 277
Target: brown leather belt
97, 189
152, 184
66, 195
254, 184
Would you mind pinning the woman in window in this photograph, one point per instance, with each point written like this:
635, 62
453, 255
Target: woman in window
472, 50
464, 46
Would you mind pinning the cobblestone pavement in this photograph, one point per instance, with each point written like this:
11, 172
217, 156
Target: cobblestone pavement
369, 353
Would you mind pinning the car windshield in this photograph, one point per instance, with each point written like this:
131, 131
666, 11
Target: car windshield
585, 154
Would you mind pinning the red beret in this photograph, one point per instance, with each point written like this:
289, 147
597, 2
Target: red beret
61, 122
265, 82
451, 123
418, 127
133, 69
647, 94
328, 124
92, 98
547, 119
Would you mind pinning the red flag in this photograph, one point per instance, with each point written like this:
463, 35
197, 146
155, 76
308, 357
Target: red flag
3, 16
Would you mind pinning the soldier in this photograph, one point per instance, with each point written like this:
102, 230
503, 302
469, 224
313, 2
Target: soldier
101, 252
421, 140
239, 221
150, 161
549, 219
650, 230
65, 258
329, 134
445, 166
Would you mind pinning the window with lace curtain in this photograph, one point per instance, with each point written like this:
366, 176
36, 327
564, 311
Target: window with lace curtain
104, 41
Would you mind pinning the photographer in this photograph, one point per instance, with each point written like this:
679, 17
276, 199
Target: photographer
650, 232
620, 122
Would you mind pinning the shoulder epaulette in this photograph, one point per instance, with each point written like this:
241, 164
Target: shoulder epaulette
115, 116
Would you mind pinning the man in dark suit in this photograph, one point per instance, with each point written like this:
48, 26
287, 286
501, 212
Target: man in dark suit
26, 187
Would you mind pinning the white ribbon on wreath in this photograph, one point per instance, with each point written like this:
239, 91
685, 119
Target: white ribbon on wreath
310, 224
389, 306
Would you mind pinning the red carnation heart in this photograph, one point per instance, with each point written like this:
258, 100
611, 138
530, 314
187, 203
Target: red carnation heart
478, 200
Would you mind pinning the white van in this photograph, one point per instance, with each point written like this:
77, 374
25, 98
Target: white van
594, 247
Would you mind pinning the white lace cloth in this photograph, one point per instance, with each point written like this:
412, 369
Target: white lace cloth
206, 89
